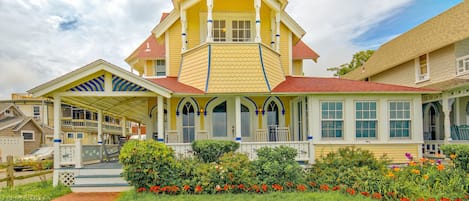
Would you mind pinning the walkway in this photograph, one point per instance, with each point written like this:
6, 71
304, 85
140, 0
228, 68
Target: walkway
88, 197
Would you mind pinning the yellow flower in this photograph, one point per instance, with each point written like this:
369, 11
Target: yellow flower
432, 162
452, 156
396, 169
416, 171
390, 174
425, 177
423, 160
412, 163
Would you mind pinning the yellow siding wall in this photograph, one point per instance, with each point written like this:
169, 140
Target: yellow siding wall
271, 65
265, 25
285, 49
149, 67
172, 113
194, 68
396, 152
298, 67
461, 48
174, 35
193, 24
442, 67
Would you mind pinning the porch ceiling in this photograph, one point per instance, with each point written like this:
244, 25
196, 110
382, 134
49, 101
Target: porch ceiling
133, 108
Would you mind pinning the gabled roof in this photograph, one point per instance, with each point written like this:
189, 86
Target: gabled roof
171, 83
338, 85
150, 49
302, 51
17, 123
4, 106
445, 29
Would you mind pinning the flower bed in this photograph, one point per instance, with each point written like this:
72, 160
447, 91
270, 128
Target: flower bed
351, 171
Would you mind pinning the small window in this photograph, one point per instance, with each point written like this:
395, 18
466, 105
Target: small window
219, 30
332, 119
70, 135
28, 135
79, 135
399, 119
241, 30
160, 68
422, 68
36, 112
462, 65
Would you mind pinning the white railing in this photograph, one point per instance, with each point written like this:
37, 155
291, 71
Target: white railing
90, 153
432, 147
67, 154
304, 149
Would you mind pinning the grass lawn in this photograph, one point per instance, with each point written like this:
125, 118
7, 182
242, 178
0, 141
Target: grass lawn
39, 191
296, 196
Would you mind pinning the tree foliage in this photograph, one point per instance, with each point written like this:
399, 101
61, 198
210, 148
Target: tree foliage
358, 60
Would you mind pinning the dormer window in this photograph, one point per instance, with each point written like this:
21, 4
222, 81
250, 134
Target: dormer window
422, 68
159, 68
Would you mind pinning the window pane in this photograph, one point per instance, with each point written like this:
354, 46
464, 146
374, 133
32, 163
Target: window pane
219, 120
28, 136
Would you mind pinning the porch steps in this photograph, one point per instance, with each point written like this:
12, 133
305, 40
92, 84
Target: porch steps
100, 180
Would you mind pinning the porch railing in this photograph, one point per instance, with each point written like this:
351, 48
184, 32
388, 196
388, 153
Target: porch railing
78, 154
304, 149
432, 147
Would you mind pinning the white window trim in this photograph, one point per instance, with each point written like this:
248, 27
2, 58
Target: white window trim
375, 119
228, 17
403, 119
28, 131
342, 119
463, 72
418, 76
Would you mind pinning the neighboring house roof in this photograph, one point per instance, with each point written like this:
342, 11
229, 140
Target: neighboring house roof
302, 51
17, 123
445, 29
172, 84
6, 105
338, 85
150, 49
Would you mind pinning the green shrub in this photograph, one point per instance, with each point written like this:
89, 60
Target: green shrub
210, 150
459, 154
149, 163
277, 166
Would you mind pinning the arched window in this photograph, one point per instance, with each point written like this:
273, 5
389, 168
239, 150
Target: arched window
188, 123
219, 120
272, 120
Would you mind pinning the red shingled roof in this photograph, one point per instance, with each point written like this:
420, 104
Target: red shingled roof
172, 84
163, 16
150, 49
338, 85
302, 51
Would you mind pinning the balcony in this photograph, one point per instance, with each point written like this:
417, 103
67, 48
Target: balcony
86, 125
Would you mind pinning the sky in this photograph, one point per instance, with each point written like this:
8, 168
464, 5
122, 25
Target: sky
41, 40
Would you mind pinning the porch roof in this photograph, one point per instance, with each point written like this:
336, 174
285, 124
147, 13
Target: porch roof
337, 85
172, 83
303, 51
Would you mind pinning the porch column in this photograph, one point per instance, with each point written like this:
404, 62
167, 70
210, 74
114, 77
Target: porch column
100, 133
238, 118
150, 127
57, 138
209, 20
257, 6
447, 103
310, 130
160, 119
184, 29
123, 126
277, 35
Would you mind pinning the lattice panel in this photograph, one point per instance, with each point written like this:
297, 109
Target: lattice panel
67, 178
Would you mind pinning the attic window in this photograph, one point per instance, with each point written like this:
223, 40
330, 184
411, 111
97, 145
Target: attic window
422, 68
7, 111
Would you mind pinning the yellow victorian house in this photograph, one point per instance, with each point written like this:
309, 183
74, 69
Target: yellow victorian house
233, 70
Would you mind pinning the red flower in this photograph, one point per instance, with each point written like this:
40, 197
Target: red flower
198, 189
277, 187
312, 184
324, 187
445, 199
376, 196
431, 199
421, 199
264, 187
174, 189
256, 188
404, 199
391, 194
141, 189
457, 199
336, 188
351, 191
289, 184
366, 194
155, 189
241, 186
217, 188
226, 187
301, 187
186, 187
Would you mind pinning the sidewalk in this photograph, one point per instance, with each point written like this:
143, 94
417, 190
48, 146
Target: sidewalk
88, 197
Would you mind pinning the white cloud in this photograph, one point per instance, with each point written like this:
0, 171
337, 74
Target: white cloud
35, 49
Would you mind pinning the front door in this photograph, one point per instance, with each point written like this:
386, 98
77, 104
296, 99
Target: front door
222, 120
188, 123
